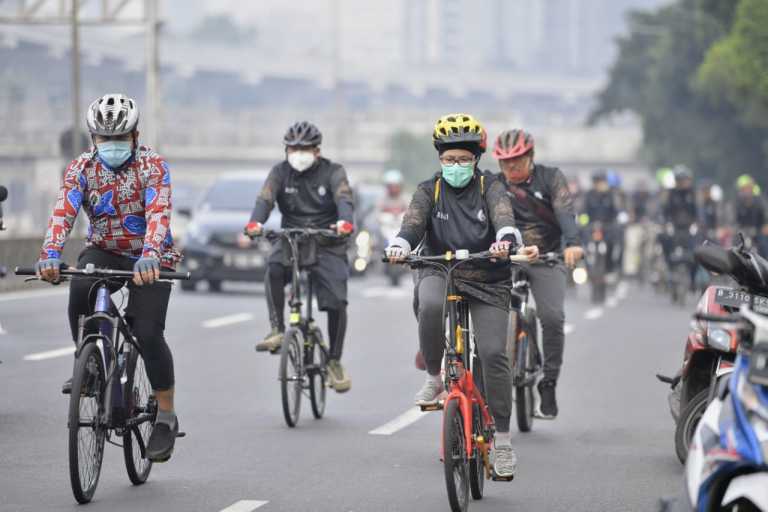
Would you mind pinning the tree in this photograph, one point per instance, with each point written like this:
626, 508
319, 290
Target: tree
736, 67
656, 75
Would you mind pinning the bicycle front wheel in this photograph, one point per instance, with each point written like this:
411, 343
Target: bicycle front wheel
86, 432
455, 460
141, 408
291, 375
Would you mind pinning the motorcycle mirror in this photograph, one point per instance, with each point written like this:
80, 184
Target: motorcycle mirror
715, 259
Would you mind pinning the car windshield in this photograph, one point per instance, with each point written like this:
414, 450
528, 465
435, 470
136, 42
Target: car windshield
232, 195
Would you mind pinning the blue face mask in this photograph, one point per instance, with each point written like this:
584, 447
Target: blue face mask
115, 153
457, 175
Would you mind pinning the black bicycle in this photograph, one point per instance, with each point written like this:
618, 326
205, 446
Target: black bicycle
303, 353
115, 397
523, 343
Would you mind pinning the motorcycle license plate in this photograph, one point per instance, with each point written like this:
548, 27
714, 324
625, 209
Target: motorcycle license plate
733, 298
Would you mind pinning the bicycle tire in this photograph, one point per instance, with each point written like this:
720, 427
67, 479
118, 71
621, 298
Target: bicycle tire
138, 400
291, 375
477, 463
525, 360
455, 461
88, 386
318, 378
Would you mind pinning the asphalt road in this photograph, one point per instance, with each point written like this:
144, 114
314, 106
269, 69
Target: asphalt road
611, 449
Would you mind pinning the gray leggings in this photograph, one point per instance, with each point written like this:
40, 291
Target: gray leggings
548, 288
490, 324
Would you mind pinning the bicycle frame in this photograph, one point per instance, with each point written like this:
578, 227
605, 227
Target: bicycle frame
295, 300
460, 380
111, 326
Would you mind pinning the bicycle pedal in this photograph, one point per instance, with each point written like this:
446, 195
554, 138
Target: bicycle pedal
181, 434
437, 406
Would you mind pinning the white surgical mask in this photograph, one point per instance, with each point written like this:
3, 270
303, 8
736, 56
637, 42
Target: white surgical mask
301, 160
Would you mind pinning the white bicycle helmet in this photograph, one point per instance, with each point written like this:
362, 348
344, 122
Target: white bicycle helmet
112, 114
393, 177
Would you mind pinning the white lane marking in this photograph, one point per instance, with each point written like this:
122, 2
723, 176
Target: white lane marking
568, 328
244, 506
389, 292
50, 354
612, 302
227, 320
407, 418
33, 294
594, 313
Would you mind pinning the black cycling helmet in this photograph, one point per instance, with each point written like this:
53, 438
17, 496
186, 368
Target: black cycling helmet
303, 133
600, 175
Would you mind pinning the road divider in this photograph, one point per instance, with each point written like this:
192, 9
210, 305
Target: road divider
50, 354
227, 320
409, 417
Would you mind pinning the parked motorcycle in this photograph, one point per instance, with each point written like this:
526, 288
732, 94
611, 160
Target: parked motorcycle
711, 348
727, 467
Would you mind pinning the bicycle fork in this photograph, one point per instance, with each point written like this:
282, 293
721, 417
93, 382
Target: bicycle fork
107, 333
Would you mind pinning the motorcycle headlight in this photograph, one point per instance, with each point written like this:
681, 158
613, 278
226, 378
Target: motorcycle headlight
719, 339
363, 239
580, 275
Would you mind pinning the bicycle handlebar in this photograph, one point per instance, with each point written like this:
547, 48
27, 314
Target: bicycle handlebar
268, 233
91, 271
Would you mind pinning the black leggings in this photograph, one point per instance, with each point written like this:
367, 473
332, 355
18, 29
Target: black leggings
146, 311
277, 277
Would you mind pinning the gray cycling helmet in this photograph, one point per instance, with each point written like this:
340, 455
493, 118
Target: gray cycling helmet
112, 114
303, 133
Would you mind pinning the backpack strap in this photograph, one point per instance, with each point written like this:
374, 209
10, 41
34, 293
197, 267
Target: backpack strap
437, 189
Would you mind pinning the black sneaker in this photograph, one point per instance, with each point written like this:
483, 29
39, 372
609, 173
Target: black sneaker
548, 402
161, 442
66, 388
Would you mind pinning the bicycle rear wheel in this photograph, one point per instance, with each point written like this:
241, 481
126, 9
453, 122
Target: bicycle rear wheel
291, 375
455, 458
318, 375
140, 405
86, 432
524, 362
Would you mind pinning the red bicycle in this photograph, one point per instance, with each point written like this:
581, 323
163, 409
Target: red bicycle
468, 426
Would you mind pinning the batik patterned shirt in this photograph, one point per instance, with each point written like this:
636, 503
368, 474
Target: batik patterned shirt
129, 209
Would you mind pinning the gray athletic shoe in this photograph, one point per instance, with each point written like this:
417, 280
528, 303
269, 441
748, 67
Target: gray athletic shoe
338, 379
504, 461
430, 392
272, 342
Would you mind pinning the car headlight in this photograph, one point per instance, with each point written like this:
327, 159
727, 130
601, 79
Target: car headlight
719, 339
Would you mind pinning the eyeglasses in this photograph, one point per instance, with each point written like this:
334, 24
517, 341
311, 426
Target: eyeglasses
452, 160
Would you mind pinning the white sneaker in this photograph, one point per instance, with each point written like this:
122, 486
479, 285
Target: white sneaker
504, 461
430, 391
